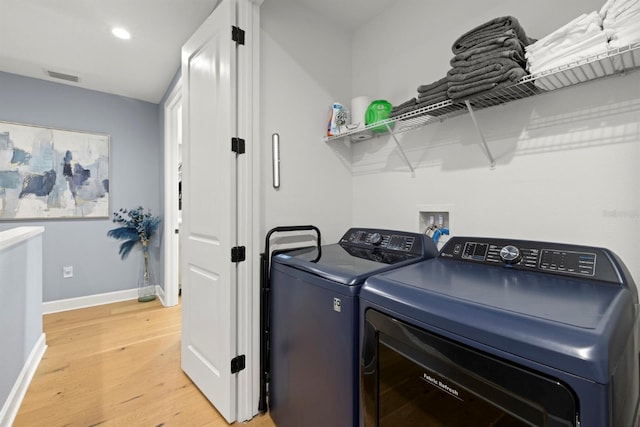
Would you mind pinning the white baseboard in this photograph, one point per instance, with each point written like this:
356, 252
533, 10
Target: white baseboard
88, 301
161, 296
14, 400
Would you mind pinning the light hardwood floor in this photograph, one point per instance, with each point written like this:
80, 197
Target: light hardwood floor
116, 365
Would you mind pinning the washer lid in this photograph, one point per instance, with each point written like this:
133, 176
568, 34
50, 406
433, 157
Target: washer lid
344, 264
569, 323
550, 298
360, 253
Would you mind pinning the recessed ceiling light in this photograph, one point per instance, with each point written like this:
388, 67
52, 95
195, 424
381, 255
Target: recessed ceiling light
121, 33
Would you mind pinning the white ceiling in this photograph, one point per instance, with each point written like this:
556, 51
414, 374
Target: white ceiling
73, 37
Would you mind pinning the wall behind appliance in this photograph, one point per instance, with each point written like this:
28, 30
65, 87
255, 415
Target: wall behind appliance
305, 66
567, 161
135, 179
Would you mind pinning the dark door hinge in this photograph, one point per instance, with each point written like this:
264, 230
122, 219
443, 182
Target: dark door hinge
237, 145
238, 254
237, 35
237, 364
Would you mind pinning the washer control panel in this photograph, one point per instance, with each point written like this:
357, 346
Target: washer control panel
388, 240
557, 258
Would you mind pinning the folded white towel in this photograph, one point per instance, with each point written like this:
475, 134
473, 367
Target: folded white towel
556, 49
625, 37
612, 9
583, 24
615, 25
568, 42
593, 45
623, 19
605, 8
559, 33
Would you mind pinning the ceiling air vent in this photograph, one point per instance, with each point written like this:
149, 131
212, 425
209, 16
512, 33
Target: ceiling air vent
62, 76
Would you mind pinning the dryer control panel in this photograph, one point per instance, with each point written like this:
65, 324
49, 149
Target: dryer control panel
557, 258
389, 240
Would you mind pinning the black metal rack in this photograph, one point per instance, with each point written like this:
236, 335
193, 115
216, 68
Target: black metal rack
265, 263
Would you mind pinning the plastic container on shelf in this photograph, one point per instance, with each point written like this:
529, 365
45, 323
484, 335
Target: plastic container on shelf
337, 119
378, 111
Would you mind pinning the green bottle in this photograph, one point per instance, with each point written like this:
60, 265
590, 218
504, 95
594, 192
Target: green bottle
377, 111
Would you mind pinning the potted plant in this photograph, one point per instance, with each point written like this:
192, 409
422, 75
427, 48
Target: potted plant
137, 227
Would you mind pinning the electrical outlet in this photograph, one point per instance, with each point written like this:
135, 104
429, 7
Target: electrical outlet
67, 271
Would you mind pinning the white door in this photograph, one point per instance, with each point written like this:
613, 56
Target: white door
172, 168
209, 326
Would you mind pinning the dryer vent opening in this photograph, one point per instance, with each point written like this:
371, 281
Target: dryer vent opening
62, 76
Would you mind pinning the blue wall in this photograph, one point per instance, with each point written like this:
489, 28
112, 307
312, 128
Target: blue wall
136, 179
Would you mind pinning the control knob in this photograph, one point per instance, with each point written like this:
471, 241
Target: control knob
375, 239
510, 254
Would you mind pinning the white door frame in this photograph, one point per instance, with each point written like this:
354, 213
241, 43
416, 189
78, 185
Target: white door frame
172, 129
251, 225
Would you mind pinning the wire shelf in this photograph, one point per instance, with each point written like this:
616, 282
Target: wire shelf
611, 62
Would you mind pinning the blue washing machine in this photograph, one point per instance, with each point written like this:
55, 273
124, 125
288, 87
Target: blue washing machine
314, 323
498, 332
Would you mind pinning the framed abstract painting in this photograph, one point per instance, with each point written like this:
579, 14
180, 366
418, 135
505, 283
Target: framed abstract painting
50, 173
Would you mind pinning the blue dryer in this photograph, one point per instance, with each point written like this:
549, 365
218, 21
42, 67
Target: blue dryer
499, 332
314, 323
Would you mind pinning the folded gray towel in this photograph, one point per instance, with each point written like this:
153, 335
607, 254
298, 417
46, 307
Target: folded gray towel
435, 91
499, 44
479, 40
480, 77
473, 91
432, 99
515, 54
440, 89
482, 90
409, 103
496, 39
432, 86
464, 91
489, 57
512, 75
456, 76
506, 62
492, 27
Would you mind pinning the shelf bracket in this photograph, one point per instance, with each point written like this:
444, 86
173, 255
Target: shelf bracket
404, 156
484, 143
